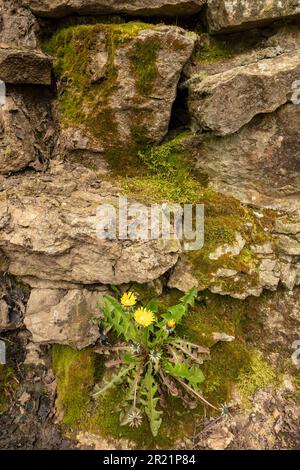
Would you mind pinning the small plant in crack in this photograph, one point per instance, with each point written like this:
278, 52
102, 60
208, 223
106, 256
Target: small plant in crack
152, 360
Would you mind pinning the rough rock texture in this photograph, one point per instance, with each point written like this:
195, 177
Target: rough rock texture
130, 79
226, 15
52, 223
27, 131
63, 317
260, 164
58, 8
161, 114
270, 266
13, 299
19, 66
4, 312
226, 101
18, 26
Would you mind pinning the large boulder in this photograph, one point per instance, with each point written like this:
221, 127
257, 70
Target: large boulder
228, 15
224, 102
63, 317
48, 232
118, 83
59, 8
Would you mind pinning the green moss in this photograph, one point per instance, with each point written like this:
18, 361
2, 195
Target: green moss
75, 377
178, 422
7, 385
213, 51
259, 374
143, 58
85, 98
166, 176
236, 363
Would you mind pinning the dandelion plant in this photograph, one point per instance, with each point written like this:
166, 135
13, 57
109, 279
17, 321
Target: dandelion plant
152, 360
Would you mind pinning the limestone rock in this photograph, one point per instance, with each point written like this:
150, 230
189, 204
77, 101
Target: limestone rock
220, 439
132, 85
63, 317
265, 271
259, 164
225, 102
26, 131
20, 66
227, 249
59, 8
18, 26
89, 441
289, 245
49, 233
226, 15
4, 314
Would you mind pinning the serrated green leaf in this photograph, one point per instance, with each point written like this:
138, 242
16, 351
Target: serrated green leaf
116, 318
190, 297
149, 400
117, 379
193, 375
152, 305
177, 312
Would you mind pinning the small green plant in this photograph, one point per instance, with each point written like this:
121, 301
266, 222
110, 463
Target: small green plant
153, 361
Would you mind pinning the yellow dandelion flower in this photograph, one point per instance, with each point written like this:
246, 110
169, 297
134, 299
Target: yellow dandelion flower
144, 317
128, 299
171, 324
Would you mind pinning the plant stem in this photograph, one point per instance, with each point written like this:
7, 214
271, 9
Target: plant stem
136, 383
191, 390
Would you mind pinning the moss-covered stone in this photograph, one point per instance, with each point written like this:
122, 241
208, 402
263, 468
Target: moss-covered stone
84, 102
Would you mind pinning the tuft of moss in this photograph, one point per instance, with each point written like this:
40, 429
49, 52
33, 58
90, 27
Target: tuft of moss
213, 50
259, 374
7, 385
143, 58
75, 377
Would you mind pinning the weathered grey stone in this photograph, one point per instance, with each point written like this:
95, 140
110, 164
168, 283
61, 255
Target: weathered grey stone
287, 227
49, 233
225, 102
18, 26
20, 66
289, 245
289, 274
63, 317
26, 132
267, 267
232, 250
269, 274
226, 15
4, 314
260, 164
59, 8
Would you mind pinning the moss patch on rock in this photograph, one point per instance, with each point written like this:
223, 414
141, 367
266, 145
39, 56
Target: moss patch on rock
84, 100
75, 377
7, 385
